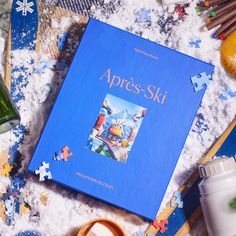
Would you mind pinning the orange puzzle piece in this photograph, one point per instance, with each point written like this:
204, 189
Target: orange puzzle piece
66, 153
2, 212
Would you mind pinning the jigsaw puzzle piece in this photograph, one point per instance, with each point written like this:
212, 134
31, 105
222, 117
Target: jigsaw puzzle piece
57, 156
143, 16
199, 81
160, 225
10, 210
66, 153
195, 43
2, 211
62, 41
177, 200
44, 172
29, 233
24, 209
5, 169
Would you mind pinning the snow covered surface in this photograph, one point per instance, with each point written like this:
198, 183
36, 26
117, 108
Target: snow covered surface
67, 210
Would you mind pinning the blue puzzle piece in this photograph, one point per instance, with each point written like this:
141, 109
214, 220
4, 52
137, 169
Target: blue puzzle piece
58, 156
62, 41
199, 81
143, 16
29, 233
178, 200
18, 182
195, 43
17, 207
230, 92
223, 98
10, 210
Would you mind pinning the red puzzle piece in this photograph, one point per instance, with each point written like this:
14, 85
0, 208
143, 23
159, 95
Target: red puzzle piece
66, 153
160, 225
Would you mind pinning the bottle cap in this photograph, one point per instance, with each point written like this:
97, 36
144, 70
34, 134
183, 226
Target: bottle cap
217, 167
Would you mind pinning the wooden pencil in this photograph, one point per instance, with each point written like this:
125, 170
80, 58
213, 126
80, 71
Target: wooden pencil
220, 20
211, 18
214, 2
224, 8
223, 27
208, 3
225, 33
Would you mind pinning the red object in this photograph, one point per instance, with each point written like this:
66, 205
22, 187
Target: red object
100, 121
180, 11
222, 36
160, 225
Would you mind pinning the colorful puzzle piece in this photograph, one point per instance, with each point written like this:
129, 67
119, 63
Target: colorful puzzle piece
10, 210
29, 233
62, 41
2, 211
180, 10
44, 198
66, 153
44, 172
195, 43
228, 93
5, 169
57, 156
143, 16
160, 225
24, 209
199, 81
3, 157
177, 200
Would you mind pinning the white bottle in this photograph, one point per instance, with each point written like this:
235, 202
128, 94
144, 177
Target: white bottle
218, 190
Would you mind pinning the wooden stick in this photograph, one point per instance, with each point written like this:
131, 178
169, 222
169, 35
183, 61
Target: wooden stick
225, 33
209, 4
225, 8
214, 17
223, 27
221, 19
215, 2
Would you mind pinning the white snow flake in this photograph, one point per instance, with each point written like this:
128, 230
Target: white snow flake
24, 6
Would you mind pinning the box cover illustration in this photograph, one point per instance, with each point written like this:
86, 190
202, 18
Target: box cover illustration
116, 128
121, 119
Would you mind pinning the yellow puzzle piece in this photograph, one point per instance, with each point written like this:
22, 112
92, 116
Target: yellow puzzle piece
2, 211
5, 167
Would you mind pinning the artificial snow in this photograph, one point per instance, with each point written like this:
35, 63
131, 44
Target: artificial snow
67, 210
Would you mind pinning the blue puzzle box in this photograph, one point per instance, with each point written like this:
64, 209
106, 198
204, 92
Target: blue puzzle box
121, 119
